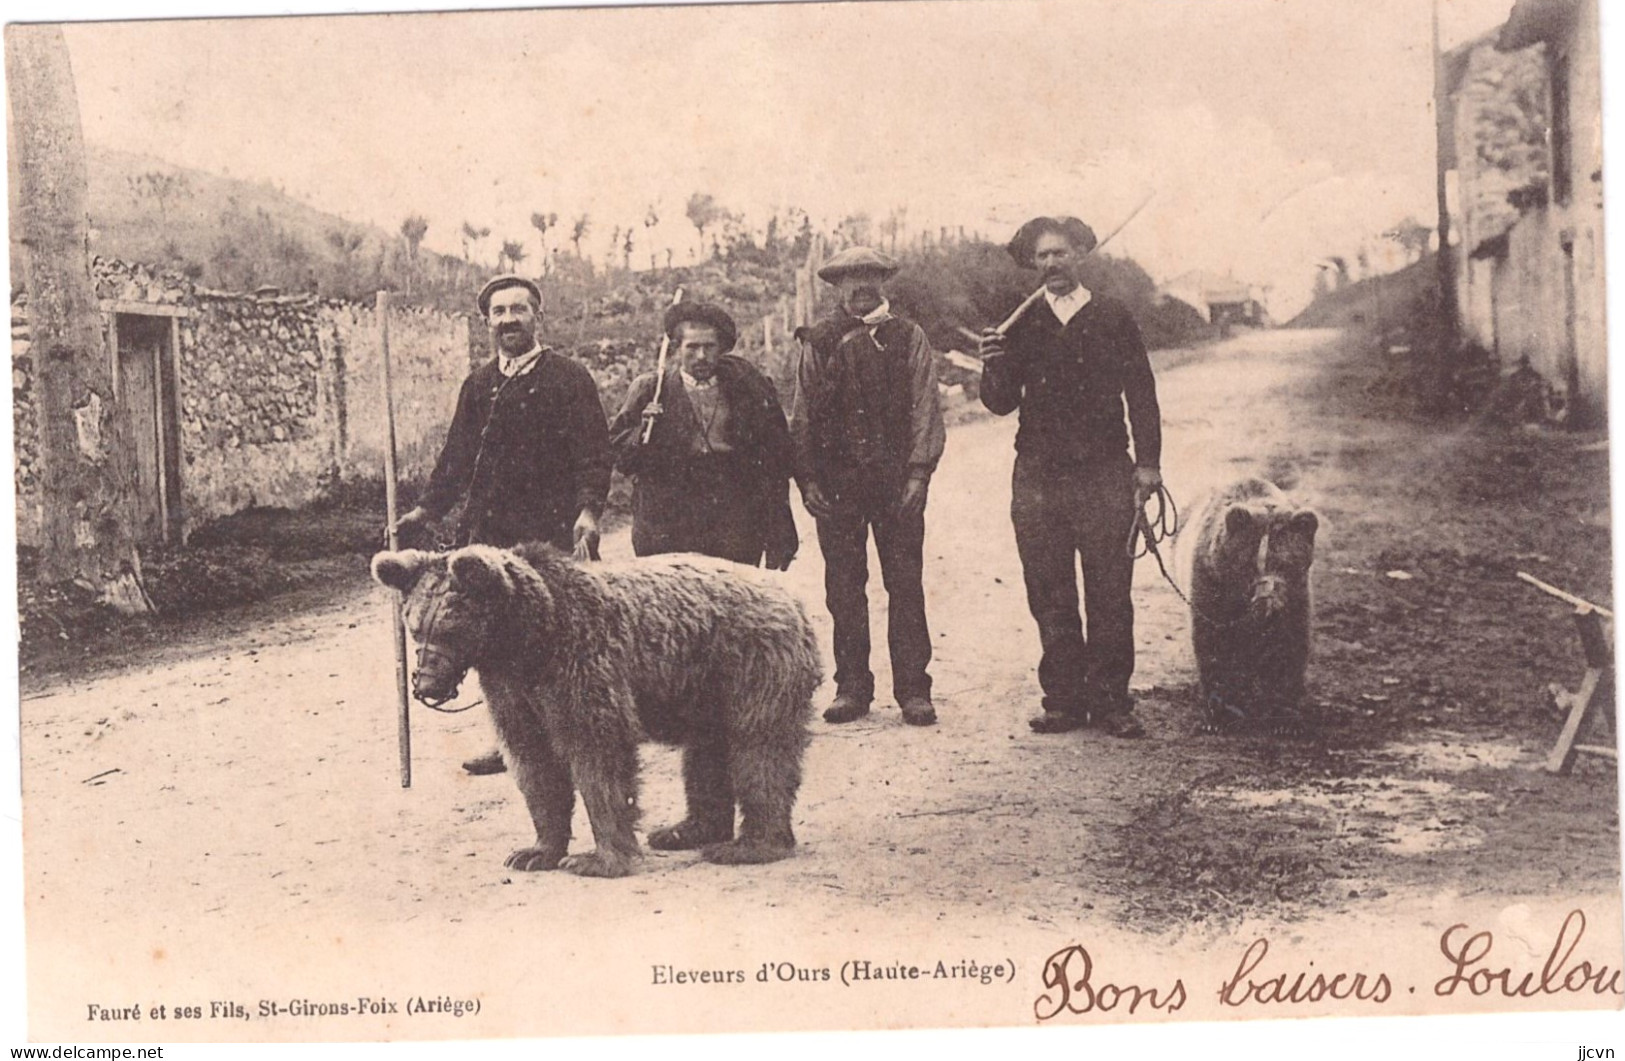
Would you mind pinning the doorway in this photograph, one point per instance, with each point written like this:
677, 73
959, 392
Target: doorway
144, 384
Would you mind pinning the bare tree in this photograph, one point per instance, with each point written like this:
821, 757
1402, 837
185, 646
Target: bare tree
514, 252
541, 223
161, 188
87, 479
471, 237
626, 250
413, 229
578, 231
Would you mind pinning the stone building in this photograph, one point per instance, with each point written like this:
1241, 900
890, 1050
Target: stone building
1523, 163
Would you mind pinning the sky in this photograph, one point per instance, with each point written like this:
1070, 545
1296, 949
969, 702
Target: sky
1270, 134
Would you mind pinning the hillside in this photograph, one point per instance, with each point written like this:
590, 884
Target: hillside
1378, 299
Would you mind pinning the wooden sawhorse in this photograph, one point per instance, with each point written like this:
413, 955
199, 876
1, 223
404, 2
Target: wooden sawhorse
1596, 692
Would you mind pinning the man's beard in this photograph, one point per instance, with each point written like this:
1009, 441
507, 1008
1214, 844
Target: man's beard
864, 300
514, 341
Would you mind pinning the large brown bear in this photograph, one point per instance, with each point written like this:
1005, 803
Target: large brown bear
1249, 556
579, 663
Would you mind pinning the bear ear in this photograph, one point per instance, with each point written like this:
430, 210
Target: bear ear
480, 570
1305, 523
1237, 519
401, 571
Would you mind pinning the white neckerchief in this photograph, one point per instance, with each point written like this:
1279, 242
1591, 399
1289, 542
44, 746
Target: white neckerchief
517, 366
877, 316
1066, 306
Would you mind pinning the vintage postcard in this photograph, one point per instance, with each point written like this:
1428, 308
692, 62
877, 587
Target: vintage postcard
812, 517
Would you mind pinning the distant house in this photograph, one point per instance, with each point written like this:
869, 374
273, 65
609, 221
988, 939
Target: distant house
1526, 197
1219, 299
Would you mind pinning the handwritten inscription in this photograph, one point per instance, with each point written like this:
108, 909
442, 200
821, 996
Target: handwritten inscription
1071, 987
1473, 970
1075, 983
1243, 988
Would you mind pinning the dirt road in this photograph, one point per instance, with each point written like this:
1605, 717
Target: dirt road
225, 819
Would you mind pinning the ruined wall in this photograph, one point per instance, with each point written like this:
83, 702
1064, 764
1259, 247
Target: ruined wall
25, 428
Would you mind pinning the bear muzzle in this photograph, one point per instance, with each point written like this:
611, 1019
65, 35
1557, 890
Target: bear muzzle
437, 677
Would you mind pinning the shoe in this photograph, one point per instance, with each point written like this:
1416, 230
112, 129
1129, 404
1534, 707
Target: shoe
1057, 721
1120, 724
917, 711
489, 763
847, 707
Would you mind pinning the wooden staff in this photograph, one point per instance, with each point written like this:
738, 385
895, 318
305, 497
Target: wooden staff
1579, 602
403, 711
660, 375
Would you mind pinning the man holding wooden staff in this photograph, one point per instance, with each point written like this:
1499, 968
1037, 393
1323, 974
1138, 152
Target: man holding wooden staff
1071, 363
868, 434
528, 448
713, 468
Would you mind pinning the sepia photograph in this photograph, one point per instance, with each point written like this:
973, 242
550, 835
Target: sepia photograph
812, 517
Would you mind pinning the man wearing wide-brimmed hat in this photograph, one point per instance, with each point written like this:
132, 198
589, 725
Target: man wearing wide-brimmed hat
712, 458
868, 433
528, 449
1072, 363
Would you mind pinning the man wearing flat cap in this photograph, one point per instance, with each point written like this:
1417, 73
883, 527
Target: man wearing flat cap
1072, 364
868, 434
713, 474
528, 449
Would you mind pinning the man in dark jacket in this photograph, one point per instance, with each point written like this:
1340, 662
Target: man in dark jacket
713, 475
528, 449
1071, 363
868, 434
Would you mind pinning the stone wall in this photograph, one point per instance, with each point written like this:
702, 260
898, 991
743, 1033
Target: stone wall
430, 354
278, 397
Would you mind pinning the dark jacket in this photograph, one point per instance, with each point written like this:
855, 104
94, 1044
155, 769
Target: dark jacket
528, 453
678, 492
866, 402
1072, 385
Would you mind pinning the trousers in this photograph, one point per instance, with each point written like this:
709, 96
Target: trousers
1062, 514
863, 503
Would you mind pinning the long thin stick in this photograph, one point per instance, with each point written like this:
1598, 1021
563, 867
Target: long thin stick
403, 712
660, 371
1578, 602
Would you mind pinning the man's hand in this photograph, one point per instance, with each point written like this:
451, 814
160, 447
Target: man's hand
1146, 481
913, 499
813, 497
586, 536
990, 344
409, 527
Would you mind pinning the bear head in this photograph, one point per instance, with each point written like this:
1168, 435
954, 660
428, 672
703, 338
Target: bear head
460, 610
1266, 551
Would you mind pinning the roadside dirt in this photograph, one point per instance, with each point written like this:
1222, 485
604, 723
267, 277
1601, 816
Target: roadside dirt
242, 777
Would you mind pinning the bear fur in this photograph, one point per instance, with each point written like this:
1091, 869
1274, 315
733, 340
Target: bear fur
580, 662
1249, 551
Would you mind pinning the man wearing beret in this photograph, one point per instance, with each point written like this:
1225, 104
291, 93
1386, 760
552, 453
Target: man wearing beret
1072, 363
868, 434
713, 475
528, 449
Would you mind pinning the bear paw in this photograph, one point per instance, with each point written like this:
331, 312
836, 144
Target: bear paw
596, 864
687, 835
534, 859
745, 853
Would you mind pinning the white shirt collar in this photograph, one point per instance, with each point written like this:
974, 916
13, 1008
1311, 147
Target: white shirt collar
516, 366
1066, 306
879, 315
696, 384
